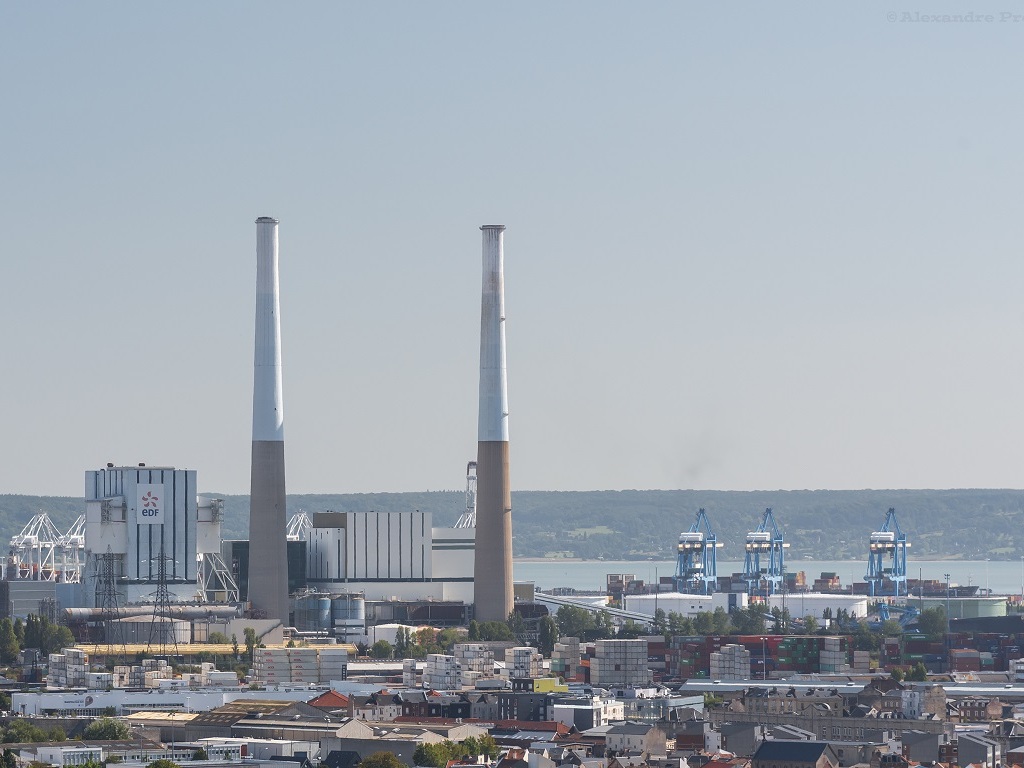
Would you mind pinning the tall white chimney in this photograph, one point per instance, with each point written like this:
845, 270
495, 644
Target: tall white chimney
492, 574
268, 555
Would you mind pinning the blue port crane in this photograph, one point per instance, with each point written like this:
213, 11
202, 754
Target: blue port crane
697, 561
887, 558
904, 614
765, 543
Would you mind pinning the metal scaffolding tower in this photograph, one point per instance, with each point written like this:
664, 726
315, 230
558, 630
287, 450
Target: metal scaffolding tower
697, 561
468, 518
33, 553
72, 550
887, 557
298, 526
216, 584
214, 581
766, 541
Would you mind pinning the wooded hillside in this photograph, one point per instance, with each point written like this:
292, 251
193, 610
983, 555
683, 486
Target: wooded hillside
970, 524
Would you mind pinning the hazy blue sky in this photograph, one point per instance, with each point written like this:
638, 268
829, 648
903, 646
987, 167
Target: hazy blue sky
749, 246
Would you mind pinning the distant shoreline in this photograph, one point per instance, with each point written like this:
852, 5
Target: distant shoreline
791, 563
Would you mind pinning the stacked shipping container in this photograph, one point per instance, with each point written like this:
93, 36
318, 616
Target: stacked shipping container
526, 662
300, 665
730, 663
442, 672
565, 658
620, 663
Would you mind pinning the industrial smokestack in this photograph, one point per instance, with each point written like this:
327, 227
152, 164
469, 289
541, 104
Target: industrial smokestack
268, 561
492, 574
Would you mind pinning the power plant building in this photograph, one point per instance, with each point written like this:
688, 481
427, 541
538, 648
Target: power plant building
146, 529
136, 517
389, 555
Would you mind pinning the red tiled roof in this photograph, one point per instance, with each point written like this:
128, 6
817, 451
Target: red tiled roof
330, 700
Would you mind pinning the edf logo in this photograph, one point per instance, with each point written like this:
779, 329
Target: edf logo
150, 505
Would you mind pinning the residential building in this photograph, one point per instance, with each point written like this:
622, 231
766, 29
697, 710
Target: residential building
381, 706
922, 747
794, 754
975, 749
923, 700
978, 710
636, 737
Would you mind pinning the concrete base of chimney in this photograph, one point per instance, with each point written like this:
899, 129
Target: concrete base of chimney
268, 553
492, 574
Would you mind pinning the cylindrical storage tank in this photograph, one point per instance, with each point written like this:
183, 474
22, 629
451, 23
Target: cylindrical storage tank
323, 612
349, 617
303, 611
296, 605
348, 607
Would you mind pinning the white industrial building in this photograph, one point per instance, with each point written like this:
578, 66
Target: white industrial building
144, 525
799, 604
590, 709
803, 604
683, 604
389, 555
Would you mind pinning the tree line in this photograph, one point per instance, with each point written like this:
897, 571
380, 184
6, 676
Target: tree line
588, 626
35, 632
426, 640
752, 620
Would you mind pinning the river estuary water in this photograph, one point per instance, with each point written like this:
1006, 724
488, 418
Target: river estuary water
1001, 576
